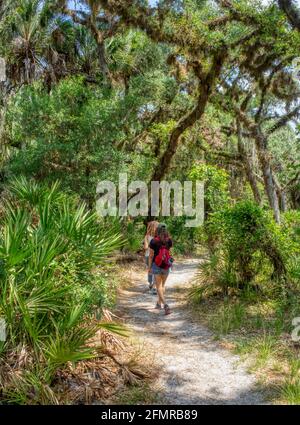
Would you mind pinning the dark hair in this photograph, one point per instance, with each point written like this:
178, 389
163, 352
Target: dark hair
162, 234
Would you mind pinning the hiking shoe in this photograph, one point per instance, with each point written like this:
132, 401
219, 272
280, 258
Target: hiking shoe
153, 291
167, 309
158, 306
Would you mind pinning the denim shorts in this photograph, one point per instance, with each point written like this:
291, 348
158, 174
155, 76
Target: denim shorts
159, 270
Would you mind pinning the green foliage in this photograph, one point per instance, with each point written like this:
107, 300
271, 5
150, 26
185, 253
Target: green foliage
215, 180
162, 131
185, 238
246, 246
290, 391
49, 248
291, 236
59, 142
140, 393
228, 319
134, 233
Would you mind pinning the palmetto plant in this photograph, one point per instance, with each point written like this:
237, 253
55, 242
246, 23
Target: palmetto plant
49, 247
214, 276
25, 38
37, 42
86, 50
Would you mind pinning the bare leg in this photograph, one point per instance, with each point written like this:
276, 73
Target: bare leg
163, 281
150, 275
153, 281
159, 288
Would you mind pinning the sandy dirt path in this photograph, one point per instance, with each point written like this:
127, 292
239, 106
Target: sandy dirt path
195, 369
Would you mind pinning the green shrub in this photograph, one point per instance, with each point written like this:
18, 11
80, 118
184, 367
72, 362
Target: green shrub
248, 248
248, 237
216, 186
291, 234
185, 238
49, 249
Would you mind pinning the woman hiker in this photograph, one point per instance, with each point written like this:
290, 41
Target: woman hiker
160, 262
151, 230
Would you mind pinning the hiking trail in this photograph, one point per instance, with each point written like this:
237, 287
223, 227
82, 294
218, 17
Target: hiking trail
195, 369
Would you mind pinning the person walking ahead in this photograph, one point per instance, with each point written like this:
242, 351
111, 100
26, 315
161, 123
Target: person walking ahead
160, 262
150, 234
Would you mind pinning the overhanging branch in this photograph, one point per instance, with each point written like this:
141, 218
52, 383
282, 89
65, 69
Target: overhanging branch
291, 11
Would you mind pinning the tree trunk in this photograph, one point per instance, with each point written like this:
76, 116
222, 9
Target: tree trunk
281, 195
279, 269
261, 143
248, 166
291, 11
103, 64
98, 36
263, 156
295, 197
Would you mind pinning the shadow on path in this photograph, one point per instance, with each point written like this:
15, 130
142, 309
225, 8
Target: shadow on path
195, 369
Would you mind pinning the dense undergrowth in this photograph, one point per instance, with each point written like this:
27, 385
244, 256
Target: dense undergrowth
248, 292
53, 289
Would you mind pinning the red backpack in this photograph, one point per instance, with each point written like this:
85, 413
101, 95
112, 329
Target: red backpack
163, 258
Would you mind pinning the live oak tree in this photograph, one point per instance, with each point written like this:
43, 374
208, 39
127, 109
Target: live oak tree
199, 47
198, 54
